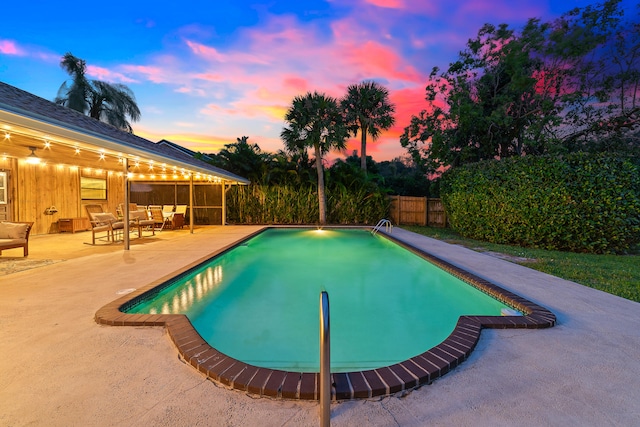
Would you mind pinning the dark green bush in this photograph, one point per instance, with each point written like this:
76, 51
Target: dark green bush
580, 202
263, 204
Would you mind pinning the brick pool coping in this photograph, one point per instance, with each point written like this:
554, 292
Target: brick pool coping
403, 376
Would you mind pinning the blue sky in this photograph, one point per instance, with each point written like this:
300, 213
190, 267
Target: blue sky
207, 72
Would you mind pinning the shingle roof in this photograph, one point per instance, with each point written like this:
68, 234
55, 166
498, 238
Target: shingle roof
26, 104
181, 148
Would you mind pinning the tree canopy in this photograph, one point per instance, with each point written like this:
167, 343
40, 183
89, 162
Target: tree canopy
567, 85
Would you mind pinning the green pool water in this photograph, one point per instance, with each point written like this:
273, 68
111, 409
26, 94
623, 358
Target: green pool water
259, 302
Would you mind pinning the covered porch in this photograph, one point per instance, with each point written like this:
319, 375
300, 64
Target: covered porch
55, 161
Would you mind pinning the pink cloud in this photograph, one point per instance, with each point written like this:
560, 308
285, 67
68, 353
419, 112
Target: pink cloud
212, 77
155, 74
389, 4
212, 54
191, 91
9, 47
497, 11
374, 59
296, 83
101, 73
415, 7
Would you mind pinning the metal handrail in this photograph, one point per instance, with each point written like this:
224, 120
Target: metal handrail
388, 227
325, 361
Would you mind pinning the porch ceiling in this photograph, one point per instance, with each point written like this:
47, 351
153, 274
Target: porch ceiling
16, 142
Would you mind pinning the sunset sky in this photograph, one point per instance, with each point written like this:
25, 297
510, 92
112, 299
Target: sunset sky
207, 72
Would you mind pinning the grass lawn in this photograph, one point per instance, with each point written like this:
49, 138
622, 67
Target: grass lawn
616, 274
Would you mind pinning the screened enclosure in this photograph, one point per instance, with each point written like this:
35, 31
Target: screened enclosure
207, 198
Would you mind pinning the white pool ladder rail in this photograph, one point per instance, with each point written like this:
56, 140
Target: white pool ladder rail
388, 227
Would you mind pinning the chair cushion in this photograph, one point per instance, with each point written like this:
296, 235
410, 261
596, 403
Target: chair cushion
11, 242
12, 230
139, 215
104, 218
101, 228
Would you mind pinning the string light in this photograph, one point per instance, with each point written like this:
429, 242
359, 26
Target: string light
162, 171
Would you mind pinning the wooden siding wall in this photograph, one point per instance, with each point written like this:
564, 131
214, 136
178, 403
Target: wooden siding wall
34, 188
409, 210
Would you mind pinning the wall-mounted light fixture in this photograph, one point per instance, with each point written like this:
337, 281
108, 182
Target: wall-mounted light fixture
32, 159
50, 211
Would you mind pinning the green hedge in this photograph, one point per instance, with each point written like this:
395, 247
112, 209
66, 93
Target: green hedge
262, 204
580, 202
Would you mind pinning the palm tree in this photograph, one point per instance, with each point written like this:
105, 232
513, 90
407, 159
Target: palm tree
244, 159
315, 121
367, 109
74, 96
110, 103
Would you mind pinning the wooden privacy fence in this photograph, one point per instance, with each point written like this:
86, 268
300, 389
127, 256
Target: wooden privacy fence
418, 211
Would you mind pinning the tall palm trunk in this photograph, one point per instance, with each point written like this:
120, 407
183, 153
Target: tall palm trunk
363, 149
322, 202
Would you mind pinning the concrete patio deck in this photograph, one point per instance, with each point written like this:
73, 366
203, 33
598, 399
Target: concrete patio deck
59, 368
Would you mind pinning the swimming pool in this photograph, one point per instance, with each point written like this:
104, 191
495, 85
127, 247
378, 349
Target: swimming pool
258, 302
394, 357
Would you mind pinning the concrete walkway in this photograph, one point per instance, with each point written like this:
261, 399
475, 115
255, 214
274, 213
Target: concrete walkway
59, 368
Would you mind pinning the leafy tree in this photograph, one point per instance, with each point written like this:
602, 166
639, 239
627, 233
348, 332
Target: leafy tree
110, 103
550, 88
315, 121
402, 177
607, 114
291, 168
367, 110
243, 159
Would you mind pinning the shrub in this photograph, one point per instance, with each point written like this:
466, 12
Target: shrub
580, 202
263, 204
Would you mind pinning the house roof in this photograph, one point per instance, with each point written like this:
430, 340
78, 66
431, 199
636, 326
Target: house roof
23, 109
183, 149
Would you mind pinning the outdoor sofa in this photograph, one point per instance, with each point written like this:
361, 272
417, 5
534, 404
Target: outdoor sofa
15, 235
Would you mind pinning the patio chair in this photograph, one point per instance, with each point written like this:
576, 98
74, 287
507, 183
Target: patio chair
157, 217
179, 216
91, 209
120, 209
104, 222
167, 210
140, 219
97, 226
